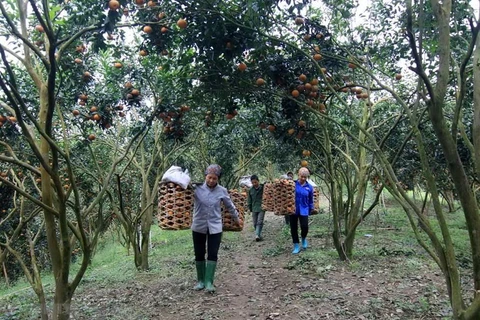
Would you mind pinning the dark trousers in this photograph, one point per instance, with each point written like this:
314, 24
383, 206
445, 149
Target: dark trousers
294, 227
206, 243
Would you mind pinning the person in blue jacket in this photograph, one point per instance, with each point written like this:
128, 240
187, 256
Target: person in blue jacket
303, 208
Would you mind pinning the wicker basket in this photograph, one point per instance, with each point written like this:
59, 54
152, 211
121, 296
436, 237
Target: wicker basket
284, 197
268, 198
175, 207
239, 199
316, 201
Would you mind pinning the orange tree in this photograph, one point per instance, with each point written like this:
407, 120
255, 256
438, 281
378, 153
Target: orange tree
61, 94
436, 108
374, 76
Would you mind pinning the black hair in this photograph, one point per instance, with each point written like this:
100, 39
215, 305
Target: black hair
254, 177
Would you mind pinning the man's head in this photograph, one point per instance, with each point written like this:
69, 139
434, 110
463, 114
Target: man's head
254, 180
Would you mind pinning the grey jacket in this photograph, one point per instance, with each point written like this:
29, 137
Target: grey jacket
207, 215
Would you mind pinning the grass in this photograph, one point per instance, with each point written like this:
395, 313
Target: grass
385, 234
172, 255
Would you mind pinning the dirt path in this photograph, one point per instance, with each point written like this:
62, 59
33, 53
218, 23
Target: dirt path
263, 280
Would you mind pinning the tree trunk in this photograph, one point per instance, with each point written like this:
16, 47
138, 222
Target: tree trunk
62, 303
447, 195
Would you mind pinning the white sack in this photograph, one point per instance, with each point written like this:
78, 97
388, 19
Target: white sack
178, 176
245, 181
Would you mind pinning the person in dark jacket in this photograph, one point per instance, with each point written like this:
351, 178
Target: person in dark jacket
207, 225
303, 208
254, 202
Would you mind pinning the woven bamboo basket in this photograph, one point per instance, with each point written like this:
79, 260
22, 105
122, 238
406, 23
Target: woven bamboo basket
316, 201
239, 199
175, 207
284, 199
268, 197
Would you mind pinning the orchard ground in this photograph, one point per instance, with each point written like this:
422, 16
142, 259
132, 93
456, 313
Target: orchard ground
390, 278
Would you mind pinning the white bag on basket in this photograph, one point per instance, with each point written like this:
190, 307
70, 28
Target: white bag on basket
245, 181
178, 176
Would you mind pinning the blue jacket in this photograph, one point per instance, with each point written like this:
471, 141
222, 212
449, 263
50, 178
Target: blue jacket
303, 198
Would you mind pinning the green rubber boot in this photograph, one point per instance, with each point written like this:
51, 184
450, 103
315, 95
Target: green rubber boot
200, 275
210, 275
258, 233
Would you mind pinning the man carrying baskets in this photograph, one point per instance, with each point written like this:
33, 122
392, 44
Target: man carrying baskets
255, 195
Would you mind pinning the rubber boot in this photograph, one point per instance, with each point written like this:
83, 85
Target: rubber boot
304, 243
210, 275
296, 248
258, 233
200, 275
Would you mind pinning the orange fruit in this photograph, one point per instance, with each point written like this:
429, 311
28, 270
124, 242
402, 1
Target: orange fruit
96, 117
291, 131
147, 29
78, 61
76, 112
398, 76
271, 128
352, 65
295, 93
314, 82
39, 28
93, 109
118, 65
135, 92
304, 163
242, 66
260, 82
302, 77
151, 3
113, 4
301, 123
317, 56
164, 30
182, 23
298, 21
91, 137
143, 53
162, 15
